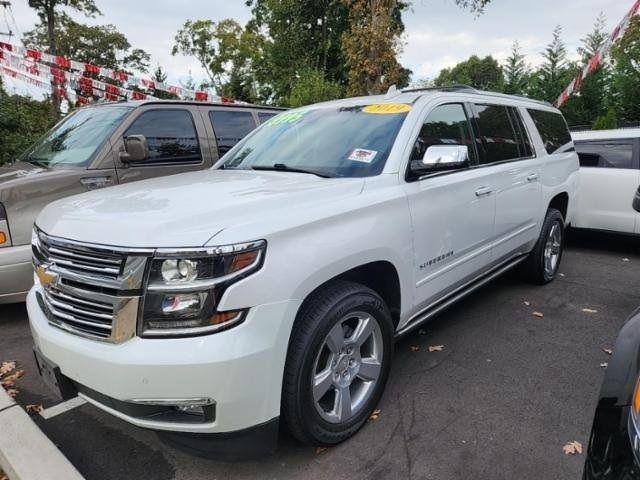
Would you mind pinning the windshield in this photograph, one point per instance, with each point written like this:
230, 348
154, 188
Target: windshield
76, 138
350, 141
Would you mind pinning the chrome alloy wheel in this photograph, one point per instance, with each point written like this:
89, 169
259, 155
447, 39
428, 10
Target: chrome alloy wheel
552, 250
347, 367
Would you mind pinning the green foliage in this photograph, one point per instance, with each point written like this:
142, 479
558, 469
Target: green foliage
606, 121
22, 122
625, 76
311, 87
556, 71
102, 45
516, 72
482, 73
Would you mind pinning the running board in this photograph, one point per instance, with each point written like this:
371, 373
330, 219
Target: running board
456, 295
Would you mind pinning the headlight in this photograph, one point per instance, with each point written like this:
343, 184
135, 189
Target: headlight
5, 236
184, 288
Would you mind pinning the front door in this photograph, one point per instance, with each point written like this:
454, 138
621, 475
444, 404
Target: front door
452, 212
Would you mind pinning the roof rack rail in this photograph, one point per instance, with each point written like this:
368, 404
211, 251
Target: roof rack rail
468, 89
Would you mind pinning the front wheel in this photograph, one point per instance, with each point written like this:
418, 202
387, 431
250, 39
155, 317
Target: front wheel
544, 260
337, 363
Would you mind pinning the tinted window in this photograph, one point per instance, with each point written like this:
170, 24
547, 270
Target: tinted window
526, 150
230, 127
496, 131
553, 129
606, 153
445, 125
170, 134
264, 116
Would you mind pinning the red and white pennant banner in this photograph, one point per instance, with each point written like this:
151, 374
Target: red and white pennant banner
594, 62
62, 70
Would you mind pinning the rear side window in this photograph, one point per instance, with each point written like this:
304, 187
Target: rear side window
526, 150
606, 153
498, 135
171, 135
264, 116
230, 127
445, 125
553, 129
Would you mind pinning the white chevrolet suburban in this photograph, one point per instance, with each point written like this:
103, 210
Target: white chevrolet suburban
213, 305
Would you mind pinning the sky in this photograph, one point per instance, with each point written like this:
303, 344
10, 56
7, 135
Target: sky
438, 33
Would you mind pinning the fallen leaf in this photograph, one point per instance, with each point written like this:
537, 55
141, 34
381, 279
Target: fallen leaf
608, 351
572, 448
436, 348
10, 380
589, 310
34, 408
604, 365
7, 367
625, 259
527, 303
538, 314
561, 274
415, 348
321, 450
12, 392
375, 415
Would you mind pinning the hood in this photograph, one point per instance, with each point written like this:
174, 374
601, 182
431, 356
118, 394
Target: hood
18, 171
188, 209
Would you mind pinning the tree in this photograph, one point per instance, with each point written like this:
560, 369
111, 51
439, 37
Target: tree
311, 87
555, 72
372, 44
607, 121
101, 45
482, 73
22, 122
625, 76
516, 72
226, 51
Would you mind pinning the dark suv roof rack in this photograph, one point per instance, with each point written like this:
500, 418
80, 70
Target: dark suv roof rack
468, 89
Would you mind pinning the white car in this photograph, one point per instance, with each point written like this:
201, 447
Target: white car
215, 305
609, 176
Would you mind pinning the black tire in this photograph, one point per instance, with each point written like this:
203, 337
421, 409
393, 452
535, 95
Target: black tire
533, 269
321, 312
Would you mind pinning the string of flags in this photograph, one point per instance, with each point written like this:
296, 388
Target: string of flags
76, 80
598, 57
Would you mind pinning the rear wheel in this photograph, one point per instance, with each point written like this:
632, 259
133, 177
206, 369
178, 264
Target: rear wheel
544, 260
337, 364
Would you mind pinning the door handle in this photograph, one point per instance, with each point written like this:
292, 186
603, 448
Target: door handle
532, 177
482, 191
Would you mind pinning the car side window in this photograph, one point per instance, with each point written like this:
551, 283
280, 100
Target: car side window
230, 127
526, 150
497, 133
171, 135
445, 125
552, 128
606, 153
265, 116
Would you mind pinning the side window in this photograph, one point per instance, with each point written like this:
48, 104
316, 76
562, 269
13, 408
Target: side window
526, 150
171, 135
606, 153
445, 125
264, 116
553, 129
230, 127
498, 136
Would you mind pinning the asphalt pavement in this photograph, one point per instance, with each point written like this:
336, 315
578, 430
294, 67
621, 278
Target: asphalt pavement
507, 391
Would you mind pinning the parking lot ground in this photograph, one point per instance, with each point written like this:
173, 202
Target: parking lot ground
506, 393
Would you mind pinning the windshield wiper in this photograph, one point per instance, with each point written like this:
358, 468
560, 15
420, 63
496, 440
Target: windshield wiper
281, 167
38, 161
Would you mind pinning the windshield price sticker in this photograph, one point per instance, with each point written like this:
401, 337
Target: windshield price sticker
362, 155
288, 117
387, 108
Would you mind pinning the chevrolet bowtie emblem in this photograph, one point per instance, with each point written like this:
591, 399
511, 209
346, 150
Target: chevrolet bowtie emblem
46, 277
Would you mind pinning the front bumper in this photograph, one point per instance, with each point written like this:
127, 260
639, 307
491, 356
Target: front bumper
16, 273
240, 369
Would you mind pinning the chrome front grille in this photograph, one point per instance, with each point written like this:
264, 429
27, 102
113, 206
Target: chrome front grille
89, 290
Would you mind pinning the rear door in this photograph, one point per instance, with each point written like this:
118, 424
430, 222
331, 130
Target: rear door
507, 153
175, 135
609, 178
230, 125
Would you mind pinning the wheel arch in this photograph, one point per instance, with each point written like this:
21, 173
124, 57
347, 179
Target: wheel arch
561, 203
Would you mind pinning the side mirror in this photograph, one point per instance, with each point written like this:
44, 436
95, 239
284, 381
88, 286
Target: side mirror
636, 201
438, 158
136, 149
